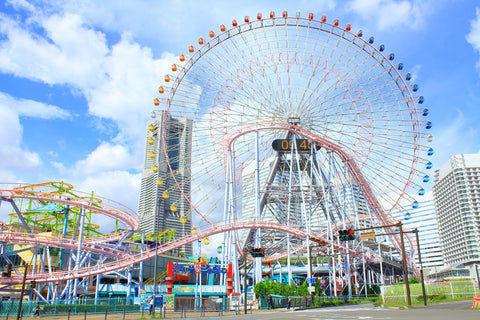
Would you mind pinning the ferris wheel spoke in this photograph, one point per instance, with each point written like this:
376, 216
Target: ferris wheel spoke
331, 83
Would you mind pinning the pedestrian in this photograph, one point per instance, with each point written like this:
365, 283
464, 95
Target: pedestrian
270, 301
151, 305
37, 310
289, 302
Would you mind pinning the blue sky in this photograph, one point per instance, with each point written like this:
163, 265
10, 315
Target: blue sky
77, 78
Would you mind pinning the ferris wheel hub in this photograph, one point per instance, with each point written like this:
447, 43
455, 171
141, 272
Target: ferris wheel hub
294, 120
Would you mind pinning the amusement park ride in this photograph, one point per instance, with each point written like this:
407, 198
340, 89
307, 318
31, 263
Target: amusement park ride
301, 128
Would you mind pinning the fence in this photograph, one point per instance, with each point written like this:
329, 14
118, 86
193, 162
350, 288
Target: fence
452, 290
63, 307
304, 301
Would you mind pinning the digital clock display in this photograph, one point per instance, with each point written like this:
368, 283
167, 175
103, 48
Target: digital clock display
283, 145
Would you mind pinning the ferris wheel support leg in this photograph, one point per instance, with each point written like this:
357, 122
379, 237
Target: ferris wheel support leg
258, 232
225, 251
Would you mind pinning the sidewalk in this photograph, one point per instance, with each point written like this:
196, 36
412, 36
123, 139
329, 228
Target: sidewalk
138, 315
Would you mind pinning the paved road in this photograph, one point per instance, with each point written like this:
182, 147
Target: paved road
444, 311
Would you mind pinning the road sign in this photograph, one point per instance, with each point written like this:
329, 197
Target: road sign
311, 280
368, 236
322, 286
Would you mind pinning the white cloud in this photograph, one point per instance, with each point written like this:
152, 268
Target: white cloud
13, 154
391, 13
474, 36
106, 157
68, 53
34, 109
119, 84
126, 97
116, 185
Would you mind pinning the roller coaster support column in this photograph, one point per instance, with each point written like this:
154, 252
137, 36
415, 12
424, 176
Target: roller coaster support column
169, 278
79, 251
140, 271
65, 228
230, 280
129, 284
97, 287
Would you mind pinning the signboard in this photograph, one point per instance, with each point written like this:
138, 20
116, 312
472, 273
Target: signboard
145, 302
194, 267
169, 302
311, 280
368, 236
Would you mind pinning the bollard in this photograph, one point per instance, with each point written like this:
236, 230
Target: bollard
69, 310
85, 314
106, 313
123, 313
7, 315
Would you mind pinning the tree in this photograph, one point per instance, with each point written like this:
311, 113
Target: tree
260, 289
303, 289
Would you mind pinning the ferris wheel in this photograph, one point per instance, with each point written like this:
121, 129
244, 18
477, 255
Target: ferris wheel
282, 118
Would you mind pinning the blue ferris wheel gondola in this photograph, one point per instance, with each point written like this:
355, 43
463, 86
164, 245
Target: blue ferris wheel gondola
421, 192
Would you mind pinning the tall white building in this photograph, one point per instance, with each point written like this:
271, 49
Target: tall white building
161, 204
419, 214
457, 203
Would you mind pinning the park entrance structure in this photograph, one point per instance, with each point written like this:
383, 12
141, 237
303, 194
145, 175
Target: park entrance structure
299, 122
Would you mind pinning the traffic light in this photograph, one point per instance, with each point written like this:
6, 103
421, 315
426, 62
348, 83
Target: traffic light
346, 235
257, 252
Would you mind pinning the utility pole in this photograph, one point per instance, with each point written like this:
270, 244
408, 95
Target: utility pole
404, 261
421, 268
23, 291
245, 281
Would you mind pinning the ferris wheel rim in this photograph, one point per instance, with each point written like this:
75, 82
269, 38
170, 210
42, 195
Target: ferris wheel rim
399, 81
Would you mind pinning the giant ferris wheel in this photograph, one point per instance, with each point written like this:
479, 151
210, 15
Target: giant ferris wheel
296, 121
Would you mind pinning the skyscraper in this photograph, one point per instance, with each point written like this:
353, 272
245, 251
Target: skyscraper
420, 214
162, 205
457, 203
